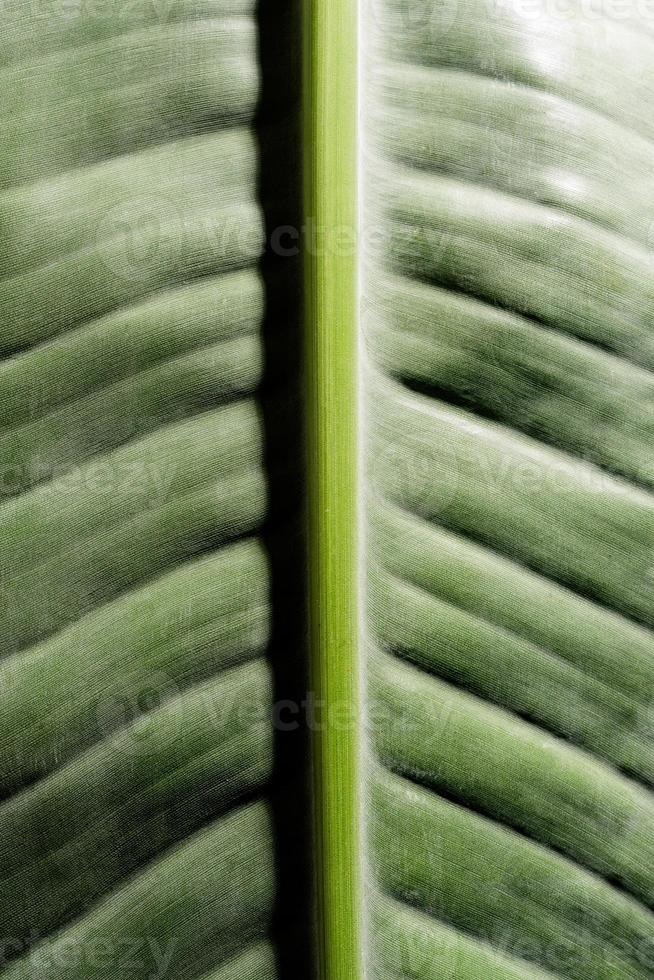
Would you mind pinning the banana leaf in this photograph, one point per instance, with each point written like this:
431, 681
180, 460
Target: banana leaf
327, 619
510, 519
153, 820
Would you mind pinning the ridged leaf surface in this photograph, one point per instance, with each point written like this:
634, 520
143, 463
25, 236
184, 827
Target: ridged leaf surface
508, 317
147, 376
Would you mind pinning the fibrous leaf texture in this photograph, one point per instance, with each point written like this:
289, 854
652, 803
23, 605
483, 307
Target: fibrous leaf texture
507, 322
149, 475
155, 555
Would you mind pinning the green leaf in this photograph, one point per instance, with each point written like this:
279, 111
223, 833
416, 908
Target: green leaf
510, 515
